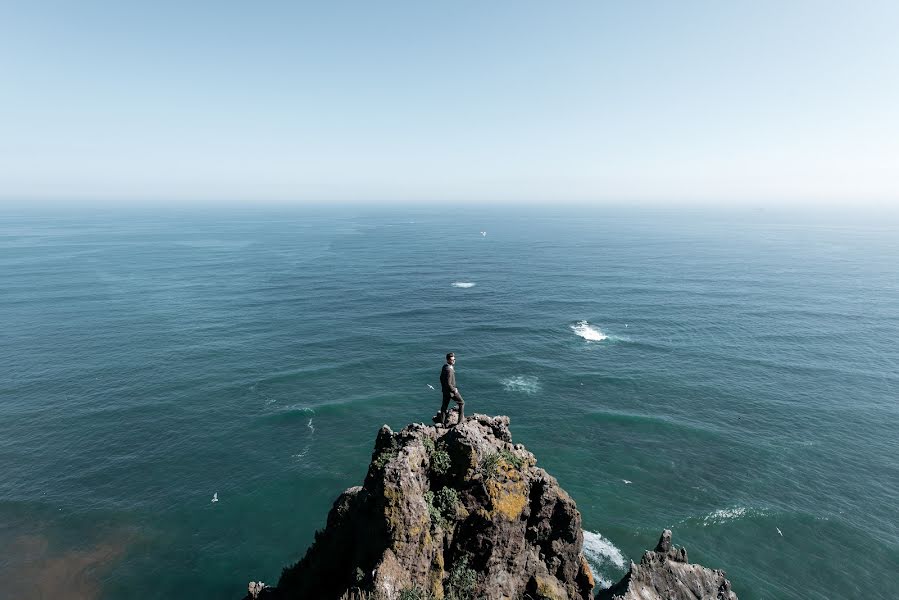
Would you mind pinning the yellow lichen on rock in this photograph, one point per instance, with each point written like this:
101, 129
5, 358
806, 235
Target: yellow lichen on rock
402, 529
507, 491
470, 461
393, 508
436, 575
585, 568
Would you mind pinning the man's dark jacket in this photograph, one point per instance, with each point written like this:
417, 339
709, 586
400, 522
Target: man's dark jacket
447, 380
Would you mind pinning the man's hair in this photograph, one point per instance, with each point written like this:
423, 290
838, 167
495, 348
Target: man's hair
449, 355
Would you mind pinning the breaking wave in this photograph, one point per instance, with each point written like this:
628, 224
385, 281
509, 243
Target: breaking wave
589, 333
601, 553
724, 515
463, 284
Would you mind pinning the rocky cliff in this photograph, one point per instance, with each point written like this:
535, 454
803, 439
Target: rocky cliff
458, 513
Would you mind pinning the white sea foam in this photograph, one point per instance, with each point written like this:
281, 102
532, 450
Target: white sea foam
723, 515
527, 384
591, 334
463, 284
601, 553
309, 425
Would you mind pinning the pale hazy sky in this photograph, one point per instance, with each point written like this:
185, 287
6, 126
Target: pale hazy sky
726, 101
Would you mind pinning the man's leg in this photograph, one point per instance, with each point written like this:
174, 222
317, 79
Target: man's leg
461, 404
444, 407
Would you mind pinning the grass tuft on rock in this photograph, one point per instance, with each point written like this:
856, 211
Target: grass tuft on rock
386, 455
462, 582
442, 506
413, 593
438, 455
490, 463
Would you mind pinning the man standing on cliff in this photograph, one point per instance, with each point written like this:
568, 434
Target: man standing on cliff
449, 389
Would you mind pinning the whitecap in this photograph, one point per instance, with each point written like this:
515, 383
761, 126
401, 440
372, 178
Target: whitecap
463, 284
309, 425
527, 384
601, 553
591, 334
723, 515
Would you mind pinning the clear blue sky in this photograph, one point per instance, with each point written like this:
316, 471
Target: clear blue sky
755, 101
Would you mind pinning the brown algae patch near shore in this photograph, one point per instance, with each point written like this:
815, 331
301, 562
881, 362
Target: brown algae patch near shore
32, 569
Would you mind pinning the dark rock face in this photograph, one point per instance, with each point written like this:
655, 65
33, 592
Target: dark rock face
456, 513
665, 574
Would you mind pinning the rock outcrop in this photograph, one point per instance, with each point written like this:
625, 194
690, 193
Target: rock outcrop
452, 513
462, 513
665, 574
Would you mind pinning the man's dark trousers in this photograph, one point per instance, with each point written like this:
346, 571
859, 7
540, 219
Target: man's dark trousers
447, 396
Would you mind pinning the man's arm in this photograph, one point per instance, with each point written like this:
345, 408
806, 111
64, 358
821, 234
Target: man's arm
444, 383
451, 379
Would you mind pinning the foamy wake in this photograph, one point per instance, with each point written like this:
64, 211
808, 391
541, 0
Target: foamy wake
591, 334
602, 554
521, 383
463, 284
723, 515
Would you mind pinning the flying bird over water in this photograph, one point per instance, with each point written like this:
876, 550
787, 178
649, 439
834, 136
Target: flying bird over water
626, 482
430, 386
779, 531
484, 233
215, 497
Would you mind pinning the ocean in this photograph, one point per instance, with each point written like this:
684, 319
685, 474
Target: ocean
732, 376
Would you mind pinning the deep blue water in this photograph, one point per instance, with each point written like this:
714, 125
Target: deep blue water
743, 376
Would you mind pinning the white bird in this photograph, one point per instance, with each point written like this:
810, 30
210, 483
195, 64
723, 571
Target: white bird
430, 386
779, 531
626, 482
215, 497
625, 324
484, 233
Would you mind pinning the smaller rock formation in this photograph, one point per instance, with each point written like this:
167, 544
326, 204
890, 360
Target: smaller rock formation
665, 574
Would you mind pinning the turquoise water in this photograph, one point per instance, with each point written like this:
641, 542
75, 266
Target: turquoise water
739, 370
